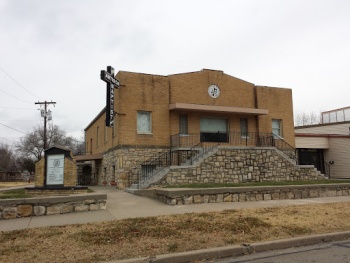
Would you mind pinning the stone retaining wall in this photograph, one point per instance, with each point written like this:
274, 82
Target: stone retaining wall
246, 194
40, 206
241, 164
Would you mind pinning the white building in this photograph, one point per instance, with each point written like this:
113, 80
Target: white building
327, 145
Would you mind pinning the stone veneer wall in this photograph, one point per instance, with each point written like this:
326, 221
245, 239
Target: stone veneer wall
70, 172
123, 159
237, 164
41, 206
246, 194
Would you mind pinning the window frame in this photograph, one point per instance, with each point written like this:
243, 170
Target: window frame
243, 122
280, 128
150, 122
183, 124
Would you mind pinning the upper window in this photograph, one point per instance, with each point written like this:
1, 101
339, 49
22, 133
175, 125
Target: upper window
144, 122
244, 127
277, 128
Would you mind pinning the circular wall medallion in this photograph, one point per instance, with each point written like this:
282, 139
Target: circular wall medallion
214, 91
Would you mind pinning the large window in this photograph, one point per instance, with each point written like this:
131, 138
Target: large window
277, 128
144, 122
244, 127
183, 122
213, 130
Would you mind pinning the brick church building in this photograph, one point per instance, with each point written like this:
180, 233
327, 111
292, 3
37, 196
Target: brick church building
167, 125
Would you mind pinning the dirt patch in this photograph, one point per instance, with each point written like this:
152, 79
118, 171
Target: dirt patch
130, 238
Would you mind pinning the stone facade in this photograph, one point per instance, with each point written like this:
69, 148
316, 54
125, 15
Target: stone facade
118, 162
16, 208
237, 165
246, 194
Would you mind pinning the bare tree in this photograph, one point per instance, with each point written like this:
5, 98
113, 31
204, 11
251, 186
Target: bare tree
303, 119
32, 145
8, 160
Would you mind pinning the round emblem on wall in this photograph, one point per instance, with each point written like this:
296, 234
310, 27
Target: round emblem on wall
214, 91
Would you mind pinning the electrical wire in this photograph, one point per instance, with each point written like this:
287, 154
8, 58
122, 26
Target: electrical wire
8, 75
12, 128
15, 97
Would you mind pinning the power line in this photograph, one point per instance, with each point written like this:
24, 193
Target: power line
12, 128
14, 96
18, 83
17, 108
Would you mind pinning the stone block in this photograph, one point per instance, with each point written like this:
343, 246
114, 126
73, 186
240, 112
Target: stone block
25, 210
212, 198
228, 198
251, 197
290, 195
275, 196
234, 197
188, 200
313, 193
267, 197
259, 197
242, 197
94, 207
67, 209
81, 208
54, 210
39, 210
305, 194
297, 195
9, 213
206, 199
197, 199
89, 201
219, 198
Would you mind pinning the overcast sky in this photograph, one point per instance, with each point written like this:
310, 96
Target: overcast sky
55, 50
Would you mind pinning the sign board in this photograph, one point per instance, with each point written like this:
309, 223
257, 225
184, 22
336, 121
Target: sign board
112, 82
55, 169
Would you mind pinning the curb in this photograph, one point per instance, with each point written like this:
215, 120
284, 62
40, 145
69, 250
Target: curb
239, 250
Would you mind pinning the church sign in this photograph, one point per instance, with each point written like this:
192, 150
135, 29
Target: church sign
112, 82
55, 169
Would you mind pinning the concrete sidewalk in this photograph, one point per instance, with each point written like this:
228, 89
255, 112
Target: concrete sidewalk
122, 205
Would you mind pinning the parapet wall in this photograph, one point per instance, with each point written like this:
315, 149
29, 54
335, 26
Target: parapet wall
41, 206
246, 194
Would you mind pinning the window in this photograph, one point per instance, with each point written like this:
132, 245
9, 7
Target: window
277, 128
144, 122
106, 134
244, 127
213, 130
183, 122
97, 135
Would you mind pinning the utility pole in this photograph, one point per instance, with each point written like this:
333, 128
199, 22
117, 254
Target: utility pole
44, 114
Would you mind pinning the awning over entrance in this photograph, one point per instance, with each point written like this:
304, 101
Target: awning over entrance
218, 109
89, 157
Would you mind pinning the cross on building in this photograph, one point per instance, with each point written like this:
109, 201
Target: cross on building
112, 82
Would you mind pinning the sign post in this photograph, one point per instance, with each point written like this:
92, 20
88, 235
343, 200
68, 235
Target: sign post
112, 82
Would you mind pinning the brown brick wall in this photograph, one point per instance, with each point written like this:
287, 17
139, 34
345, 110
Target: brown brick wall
143, 92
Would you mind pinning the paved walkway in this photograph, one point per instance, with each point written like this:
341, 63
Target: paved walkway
124, 205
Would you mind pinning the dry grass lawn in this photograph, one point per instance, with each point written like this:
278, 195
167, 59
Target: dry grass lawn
130, 238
